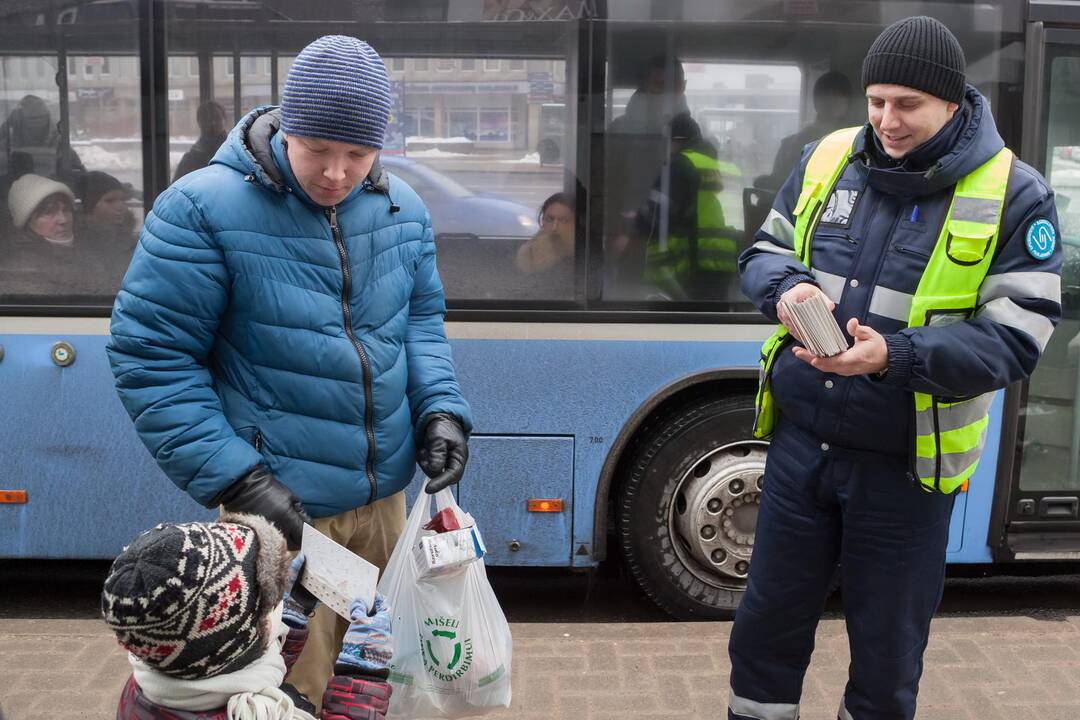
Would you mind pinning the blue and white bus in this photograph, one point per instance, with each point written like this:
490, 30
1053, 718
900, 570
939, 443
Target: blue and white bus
613, 407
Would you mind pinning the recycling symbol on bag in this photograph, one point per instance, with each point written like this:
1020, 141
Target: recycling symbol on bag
447, 654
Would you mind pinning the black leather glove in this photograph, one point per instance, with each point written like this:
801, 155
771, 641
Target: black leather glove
443, 451
260, 493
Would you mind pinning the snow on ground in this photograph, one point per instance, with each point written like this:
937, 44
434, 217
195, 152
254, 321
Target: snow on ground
421, 140
529, 159
436, 153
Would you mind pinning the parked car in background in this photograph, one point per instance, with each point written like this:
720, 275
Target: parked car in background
457, 210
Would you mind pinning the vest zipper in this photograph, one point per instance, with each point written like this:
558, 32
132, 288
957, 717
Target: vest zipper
331, 216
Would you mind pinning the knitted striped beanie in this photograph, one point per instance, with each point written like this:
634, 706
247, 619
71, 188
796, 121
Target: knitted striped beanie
337, 89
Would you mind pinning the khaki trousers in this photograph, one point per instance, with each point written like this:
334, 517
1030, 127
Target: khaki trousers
371, 532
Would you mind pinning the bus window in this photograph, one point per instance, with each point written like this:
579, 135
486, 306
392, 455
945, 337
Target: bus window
686, 137
474, 137
254, 83
71, 189
1051, 429
104, 117
29, 106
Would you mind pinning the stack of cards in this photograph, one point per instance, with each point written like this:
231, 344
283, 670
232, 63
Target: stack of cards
817, 327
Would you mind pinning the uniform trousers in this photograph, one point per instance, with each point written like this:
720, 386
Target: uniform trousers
821, 506
371, 532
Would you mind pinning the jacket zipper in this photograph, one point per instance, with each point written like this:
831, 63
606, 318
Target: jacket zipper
258, 441
331, 216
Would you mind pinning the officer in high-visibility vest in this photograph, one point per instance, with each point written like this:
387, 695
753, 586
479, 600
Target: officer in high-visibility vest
939, 251
690, 253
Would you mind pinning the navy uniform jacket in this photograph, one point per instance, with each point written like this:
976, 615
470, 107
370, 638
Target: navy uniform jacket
869, 251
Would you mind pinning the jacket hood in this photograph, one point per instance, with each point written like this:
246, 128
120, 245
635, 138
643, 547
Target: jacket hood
249, 149
976, 142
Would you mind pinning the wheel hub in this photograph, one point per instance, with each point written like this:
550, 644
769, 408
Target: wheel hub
715, 512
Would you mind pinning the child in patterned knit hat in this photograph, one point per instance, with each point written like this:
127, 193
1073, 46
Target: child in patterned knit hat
213, 618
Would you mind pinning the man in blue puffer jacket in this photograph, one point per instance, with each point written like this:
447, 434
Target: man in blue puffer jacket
278, 339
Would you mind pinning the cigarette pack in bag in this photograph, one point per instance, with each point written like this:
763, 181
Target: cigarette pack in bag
438, 552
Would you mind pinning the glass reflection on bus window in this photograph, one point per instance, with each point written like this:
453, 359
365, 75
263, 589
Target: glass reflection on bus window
71, 186
687, 143
1051, 437
485, 143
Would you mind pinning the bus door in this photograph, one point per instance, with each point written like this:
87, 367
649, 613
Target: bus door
1038, 517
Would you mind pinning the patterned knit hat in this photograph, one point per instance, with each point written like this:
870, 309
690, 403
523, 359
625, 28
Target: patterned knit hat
191, 600
917, 52
337, 89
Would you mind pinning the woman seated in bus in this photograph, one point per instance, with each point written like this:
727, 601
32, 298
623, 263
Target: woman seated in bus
551, 250
43, 209
43, 256
105, 220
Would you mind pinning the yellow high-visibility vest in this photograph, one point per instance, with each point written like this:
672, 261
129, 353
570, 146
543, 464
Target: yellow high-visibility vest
673, 259
950, 433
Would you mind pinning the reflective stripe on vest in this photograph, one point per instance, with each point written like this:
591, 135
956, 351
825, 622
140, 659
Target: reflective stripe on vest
716, 250
949, 433
822, 170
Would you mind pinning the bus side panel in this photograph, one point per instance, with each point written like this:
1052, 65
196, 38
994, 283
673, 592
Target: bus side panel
503, 473
589, 388
91, 485
971, 519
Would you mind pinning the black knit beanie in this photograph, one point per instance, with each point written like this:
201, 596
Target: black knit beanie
917, 52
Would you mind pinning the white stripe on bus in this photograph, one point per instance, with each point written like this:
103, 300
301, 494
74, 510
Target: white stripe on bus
700, 332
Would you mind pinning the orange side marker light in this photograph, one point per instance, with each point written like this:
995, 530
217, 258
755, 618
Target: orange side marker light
546, 505
13, 497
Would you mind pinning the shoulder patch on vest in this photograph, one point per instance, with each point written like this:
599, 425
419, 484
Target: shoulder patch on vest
1041, 239
840, 208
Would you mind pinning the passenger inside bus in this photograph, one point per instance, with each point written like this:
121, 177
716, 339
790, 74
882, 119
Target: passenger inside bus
637, 148
106, 225
212, 131
30, 129
832, 102
105, 218
550, 253
690, 252
44, 255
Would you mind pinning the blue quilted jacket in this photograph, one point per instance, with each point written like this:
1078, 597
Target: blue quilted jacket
247, 331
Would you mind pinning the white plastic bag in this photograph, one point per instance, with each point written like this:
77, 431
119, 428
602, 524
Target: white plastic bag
452, 645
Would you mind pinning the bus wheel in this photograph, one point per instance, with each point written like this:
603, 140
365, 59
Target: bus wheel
688, 507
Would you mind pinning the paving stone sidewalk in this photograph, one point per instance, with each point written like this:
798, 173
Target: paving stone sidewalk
977, 668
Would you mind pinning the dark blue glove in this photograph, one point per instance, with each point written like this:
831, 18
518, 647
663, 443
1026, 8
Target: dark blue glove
368, 643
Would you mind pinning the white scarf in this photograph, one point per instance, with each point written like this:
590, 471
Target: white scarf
250, 693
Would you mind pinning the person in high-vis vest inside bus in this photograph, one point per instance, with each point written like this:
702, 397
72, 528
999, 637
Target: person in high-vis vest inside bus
938, 250
690, 252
